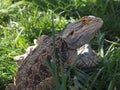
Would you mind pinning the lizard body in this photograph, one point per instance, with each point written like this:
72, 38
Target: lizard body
33, 73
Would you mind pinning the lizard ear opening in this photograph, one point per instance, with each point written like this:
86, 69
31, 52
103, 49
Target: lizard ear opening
71, 33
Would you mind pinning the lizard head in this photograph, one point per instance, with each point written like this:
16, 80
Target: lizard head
81, 32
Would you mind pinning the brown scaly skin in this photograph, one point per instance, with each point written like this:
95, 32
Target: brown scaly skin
36, 71
33, 73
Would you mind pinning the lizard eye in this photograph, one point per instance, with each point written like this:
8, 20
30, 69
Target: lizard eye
85, 20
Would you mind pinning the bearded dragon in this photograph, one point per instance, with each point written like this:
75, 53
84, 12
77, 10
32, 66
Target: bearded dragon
34, 74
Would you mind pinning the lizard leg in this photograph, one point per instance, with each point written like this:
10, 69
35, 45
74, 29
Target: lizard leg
86, 57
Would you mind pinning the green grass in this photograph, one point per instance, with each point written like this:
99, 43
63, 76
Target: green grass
21, 21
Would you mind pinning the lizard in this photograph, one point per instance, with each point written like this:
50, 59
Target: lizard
34, 74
